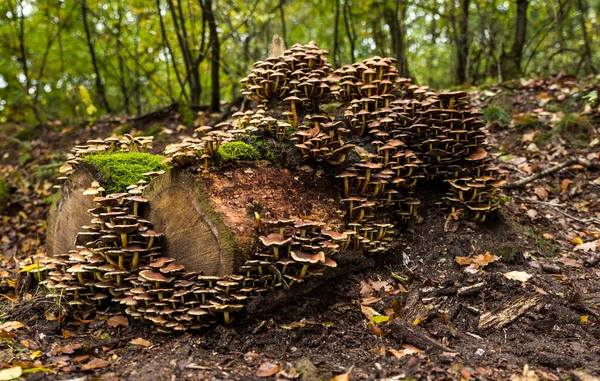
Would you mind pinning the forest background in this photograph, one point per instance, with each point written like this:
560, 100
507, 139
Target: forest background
80, 59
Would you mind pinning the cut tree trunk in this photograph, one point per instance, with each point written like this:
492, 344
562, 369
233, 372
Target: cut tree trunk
209, 222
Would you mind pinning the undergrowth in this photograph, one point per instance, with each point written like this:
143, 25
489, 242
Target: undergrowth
238, 151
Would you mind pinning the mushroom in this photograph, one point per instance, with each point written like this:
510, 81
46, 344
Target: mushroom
306, 259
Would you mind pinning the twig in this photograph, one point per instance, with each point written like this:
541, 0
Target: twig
553, 207
551, 170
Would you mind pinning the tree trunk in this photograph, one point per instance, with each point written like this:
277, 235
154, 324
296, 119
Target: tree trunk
394, 17
209, 223
511, 61
100, 94
587, 49
215, 65
462, 46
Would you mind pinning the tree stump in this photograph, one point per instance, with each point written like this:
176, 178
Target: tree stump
209, 222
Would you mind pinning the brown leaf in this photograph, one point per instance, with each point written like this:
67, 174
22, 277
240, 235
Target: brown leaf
484, 259
11, 326
65, 333
588, 246
365, 289
564, 185
140, 342
96, 363
341, 377
267, 369
405, 351
65, 349
116, 321
541, 192
528, 137
368, 312
463, 261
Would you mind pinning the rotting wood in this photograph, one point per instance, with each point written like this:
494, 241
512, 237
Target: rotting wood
509, 311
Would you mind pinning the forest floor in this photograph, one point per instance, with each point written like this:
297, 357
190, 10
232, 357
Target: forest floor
517, 297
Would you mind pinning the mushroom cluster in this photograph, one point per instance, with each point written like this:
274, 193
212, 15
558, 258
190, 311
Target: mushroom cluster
322, 139
299, 77
201, 150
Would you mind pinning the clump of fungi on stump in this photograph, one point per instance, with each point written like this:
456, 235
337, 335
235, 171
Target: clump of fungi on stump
188, 247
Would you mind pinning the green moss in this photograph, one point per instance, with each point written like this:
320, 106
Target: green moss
186, 115
3, 194
238, 151
119, 170
508, 252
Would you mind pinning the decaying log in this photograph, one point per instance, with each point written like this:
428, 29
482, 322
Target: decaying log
409, 333
510, 311
209, 222
69, 211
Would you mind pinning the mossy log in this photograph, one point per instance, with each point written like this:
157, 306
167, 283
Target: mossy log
209, 222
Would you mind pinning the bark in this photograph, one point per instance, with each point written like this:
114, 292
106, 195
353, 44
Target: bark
587, 49
511, 61
462, 46
349, 30
208, 222
215, 100
394, 15
282, 18
336, 33
100, 93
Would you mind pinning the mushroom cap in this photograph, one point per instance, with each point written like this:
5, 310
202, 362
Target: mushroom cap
274, 239
303, 257
153, 276
476, 154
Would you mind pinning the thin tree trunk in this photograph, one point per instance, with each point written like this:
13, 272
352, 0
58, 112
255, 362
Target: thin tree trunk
282, 18
336, 32
587, 49
100, 94
463, 43
215, 99
394, 18
511, 61
347, 23
171, 53
122, 79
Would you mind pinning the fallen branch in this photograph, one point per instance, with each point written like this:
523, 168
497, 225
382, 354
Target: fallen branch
409, 333
551, 170
509, 311
555, 208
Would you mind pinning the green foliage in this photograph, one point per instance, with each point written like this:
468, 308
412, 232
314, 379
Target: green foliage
3, 194
119, 170
187, 115
238, 151
575, 129
496, 114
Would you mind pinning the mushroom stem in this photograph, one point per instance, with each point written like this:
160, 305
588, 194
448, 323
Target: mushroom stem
150, 243
80, 277
135, 260
124, 239
303, 271
121, 265
227, 318
135, 208
295, 124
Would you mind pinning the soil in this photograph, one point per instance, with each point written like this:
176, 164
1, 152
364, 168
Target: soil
436, 306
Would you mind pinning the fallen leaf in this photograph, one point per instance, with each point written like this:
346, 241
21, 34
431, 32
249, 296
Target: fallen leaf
378, 351
365, 289
548, 236
370, 300
375, 330
463, 261
96, 363
267, 369
368, 312
564, 185
66, 334
11, 326
528, 137
35, 355
577, 241
341, 377
521, 276
588, 246
541, 192
484, 259
11, 373
377, 319
118, 320
38, 369
584, 319
65, 349
140, 342
405, 351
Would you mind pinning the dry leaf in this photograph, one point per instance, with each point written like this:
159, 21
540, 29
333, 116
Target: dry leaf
541, 192
65, 349
116, 321
365, 289
66, 334
588, 246
484, 259
528, 137
577, 241
140, 342
548, 236
11, 373
463, 261
521, 276
370, 300
341, 377
405, 351
368, 312
267, 369
11, 326
564, 185
96, 363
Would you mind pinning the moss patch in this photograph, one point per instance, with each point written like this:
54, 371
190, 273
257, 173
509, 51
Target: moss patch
3, 194
238, 151
119, 170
